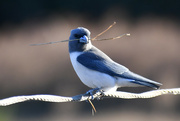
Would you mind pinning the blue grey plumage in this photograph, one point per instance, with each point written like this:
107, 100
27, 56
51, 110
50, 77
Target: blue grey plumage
96, 69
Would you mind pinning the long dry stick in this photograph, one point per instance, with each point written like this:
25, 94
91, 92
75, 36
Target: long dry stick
94, 39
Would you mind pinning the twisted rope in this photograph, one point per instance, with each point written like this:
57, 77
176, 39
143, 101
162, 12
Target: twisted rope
84, 97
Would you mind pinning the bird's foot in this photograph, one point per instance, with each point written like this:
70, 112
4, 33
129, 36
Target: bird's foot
94, 91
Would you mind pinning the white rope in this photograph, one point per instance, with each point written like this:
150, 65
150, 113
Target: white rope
84, 97
148, 94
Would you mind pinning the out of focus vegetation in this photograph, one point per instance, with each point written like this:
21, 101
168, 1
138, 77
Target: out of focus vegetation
20, 10
152, 50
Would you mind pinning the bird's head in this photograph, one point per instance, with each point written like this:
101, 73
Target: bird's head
81, 34
80, 39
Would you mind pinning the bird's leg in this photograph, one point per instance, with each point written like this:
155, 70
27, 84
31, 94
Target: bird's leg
93, 91
101, 91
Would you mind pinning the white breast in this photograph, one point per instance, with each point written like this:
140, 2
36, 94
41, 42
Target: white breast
91, 78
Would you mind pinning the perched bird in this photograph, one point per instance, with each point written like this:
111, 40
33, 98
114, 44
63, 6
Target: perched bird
96, 70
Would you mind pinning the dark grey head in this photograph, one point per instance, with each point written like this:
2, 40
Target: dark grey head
83, 40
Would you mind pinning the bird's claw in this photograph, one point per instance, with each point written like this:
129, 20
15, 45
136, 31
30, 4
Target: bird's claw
93, 91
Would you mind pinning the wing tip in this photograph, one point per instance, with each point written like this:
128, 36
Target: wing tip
154, 85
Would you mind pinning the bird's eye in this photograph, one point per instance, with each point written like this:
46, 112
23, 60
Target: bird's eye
77, 36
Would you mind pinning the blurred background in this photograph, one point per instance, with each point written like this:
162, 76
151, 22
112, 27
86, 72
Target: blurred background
152, 50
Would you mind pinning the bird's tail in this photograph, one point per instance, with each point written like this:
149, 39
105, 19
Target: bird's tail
139, 80
151, 84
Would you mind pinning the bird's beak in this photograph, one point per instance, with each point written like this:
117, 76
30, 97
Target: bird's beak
84, 39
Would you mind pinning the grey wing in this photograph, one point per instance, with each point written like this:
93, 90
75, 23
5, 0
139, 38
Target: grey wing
101, 64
